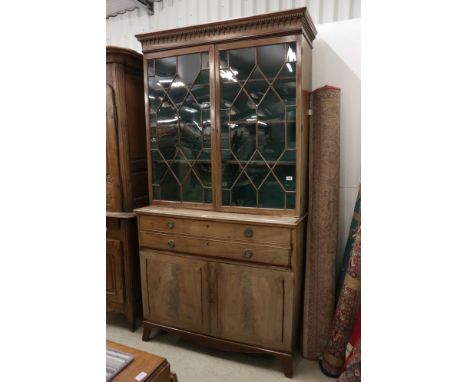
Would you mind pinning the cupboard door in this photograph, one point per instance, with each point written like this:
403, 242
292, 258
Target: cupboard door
175, 291
113, 184
180, 127
114, 271
252, 305
257, 115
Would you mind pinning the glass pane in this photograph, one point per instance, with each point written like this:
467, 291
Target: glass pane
270, 59
179, 98
291, 135
208, 195
241, 62
258, 135
180, 167
291, 113
188, 68
223, 59
290, 200
271, 195
243, 109
243, 141
156, 93
192, 189
170, 189
271, 139
165, 70
257, 172
150, 68
243, 193
271, 107
228, 92
226, 197
256, 87
177, 92
160, 168
285, 84
205, 61
287, 176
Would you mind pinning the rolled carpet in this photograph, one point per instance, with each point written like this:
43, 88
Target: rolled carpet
322, 226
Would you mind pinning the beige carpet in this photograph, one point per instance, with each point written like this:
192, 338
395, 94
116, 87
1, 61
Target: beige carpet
192, 363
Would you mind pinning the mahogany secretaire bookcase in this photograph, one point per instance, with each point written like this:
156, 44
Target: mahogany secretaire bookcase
227, 117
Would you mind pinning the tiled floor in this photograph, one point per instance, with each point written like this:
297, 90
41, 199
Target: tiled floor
193, 363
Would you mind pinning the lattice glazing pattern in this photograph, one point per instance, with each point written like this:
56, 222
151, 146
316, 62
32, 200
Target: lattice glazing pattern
258, 126
180, 125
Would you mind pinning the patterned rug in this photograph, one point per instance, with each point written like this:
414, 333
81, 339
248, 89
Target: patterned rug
116, 361
346, 315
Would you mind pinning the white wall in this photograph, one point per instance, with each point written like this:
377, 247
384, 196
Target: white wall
336, 61
121, 30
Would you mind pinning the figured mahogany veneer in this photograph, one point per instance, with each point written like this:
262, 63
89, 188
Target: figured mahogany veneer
219, 266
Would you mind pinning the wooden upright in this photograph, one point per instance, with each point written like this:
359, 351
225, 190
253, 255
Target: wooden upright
222, 241
126, 174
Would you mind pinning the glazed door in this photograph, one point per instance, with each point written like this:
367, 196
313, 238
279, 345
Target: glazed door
256, 110
179, 100
252, 305
114, 271
175, 290
113, 184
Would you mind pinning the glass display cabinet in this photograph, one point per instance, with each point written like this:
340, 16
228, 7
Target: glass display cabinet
227, 117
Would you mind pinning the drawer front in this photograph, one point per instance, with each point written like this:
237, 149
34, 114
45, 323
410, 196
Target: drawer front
217, 230
216, 248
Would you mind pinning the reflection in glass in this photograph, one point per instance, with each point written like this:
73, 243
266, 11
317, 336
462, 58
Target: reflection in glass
179, 99
258, 133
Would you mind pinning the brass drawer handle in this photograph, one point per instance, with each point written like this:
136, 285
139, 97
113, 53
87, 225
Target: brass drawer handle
170, 224
248, 232
248, 253
171, 243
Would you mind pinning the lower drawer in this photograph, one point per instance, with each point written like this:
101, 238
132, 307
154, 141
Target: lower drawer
216, 248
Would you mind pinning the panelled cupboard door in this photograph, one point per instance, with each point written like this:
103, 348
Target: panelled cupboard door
113, 185
114, 271
252, 305
175, 290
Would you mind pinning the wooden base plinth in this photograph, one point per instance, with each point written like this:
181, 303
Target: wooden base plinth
220, 344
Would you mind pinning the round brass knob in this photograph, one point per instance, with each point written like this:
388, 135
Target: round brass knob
248, 232
248, 253
171, 243
170, 224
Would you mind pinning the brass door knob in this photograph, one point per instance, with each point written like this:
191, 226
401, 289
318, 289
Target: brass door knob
170, 224
248, 253
248, 232
171, 243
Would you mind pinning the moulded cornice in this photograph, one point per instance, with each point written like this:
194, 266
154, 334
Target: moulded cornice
277, 23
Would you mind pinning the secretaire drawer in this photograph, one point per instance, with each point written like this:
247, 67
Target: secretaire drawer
217, 230
216, 248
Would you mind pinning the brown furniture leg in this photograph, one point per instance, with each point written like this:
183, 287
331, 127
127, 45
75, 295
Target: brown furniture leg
287, 362
146, 333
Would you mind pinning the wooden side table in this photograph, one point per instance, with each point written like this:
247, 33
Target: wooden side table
156, 368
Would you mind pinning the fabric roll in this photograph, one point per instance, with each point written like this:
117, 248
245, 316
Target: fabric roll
352, 367
322, 226
349, 244
346, 313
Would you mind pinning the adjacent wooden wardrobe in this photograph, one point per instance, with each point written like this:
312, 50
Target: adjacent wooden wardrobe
222, 239
126, 178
